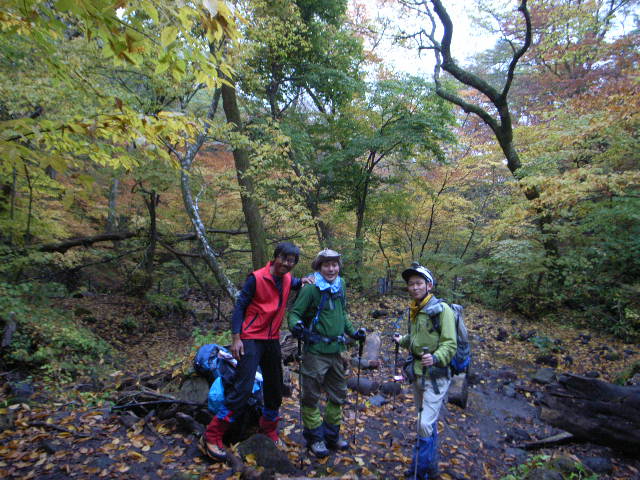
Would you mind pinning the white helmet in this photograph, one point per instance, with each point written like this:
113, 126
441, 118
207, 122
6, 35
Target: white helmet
417, 269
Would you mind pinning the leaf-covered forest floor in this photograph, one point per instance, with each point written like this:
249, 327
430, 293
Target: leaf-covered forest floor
69, 430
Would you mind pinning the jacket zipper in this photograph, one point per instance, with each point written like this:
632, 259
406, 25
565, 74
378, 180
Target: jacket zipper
279, 303
251, 322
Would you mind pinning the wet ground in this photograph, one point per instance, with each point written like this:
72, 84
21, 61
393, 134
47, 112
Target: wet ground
78, 437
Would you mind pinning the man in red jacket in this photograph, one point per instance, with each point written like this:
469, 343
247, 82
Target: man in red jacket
255, 330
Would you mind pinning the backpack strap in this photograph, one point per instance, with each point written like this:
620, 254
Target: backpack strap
433, 310
311, 336
437, 326
323, 299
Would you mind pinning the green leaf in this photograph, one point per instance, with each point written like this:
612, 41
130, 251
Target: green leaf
169, 35
69, 6
151, 11
161, 67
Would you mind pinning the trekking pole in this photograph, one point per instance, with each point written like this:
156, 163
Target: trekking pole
355, 418
425, 350
300, 390
395, 370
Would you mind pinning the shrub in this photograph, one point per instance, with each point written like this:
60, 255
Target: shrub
568, 470
162, 305
129, 324
203, 338
46, 337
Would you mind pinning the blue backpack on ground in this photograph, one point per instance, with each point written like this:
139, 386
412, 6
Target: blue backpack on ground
215, 400
206, 361
460, 361
217, 365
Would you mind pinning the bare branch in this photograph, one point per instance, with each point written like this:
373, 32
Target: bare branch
516, 57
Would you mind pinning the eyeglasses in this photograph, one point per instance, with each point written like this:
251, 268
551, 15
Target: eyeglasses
288, 260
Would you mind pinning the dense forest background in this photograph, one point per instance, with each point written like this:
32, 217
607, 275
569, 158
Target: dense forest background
161, 149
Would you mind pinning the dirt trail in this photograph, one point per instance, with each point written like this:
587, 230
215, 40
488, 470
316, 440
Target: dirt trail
56, 438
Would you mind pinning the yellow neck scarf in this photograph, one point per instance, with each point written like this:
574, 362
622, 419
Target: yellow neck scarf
416, 307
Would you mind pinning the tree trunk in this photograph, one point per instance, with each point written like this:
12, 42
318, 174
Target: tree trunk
360, 214
324, 233
8, 190
595, 411
359, 240
27, 234
10, 329
113, 200
250, 208
502, 126
151, 201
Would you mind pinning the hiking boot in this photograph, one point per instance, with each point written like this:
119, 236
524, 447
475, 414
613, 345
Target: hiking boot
211, 443
211, 451
432, 473
319, 449
339, 444
332, 437
425, 454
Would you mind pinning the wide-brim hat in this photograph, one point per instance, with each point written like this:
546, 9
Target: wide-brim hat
324, 255
417, 269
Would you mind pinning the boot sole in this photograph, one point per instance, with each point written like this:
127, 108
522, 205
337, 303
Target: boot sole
319, 455
336, 448
204, 448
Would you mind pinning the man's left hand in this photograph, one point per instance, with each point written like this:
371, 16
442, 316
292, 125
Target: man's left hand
310, 280
427, 360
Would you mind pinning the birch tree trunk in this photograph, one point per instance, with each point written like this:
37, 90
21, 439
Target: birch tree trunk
186, 160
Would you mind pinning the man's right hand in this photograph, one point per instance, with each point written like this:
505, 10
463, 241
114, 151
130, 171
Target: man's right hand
237, 347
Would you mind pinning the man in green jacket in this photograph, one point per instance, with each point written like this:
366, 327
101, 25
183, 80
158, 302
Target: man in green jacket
319, 316
431, 325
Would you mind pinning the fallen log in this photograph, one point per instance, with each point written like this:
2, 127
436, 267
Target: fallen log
236, 464
62, 247
189, 424
594, 411
557, 439
458, 392
132, 405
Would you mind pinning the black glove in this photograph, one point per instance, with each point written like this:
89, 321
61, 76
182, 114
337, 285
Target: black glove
360, 335
298, 331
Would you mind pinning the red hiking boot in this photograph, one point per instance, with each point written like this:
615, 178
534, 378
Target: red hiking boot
211, 442
270, 429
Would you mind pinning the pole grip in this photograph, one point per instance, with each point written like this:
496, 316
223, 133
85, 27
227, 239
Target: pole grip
425, 350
